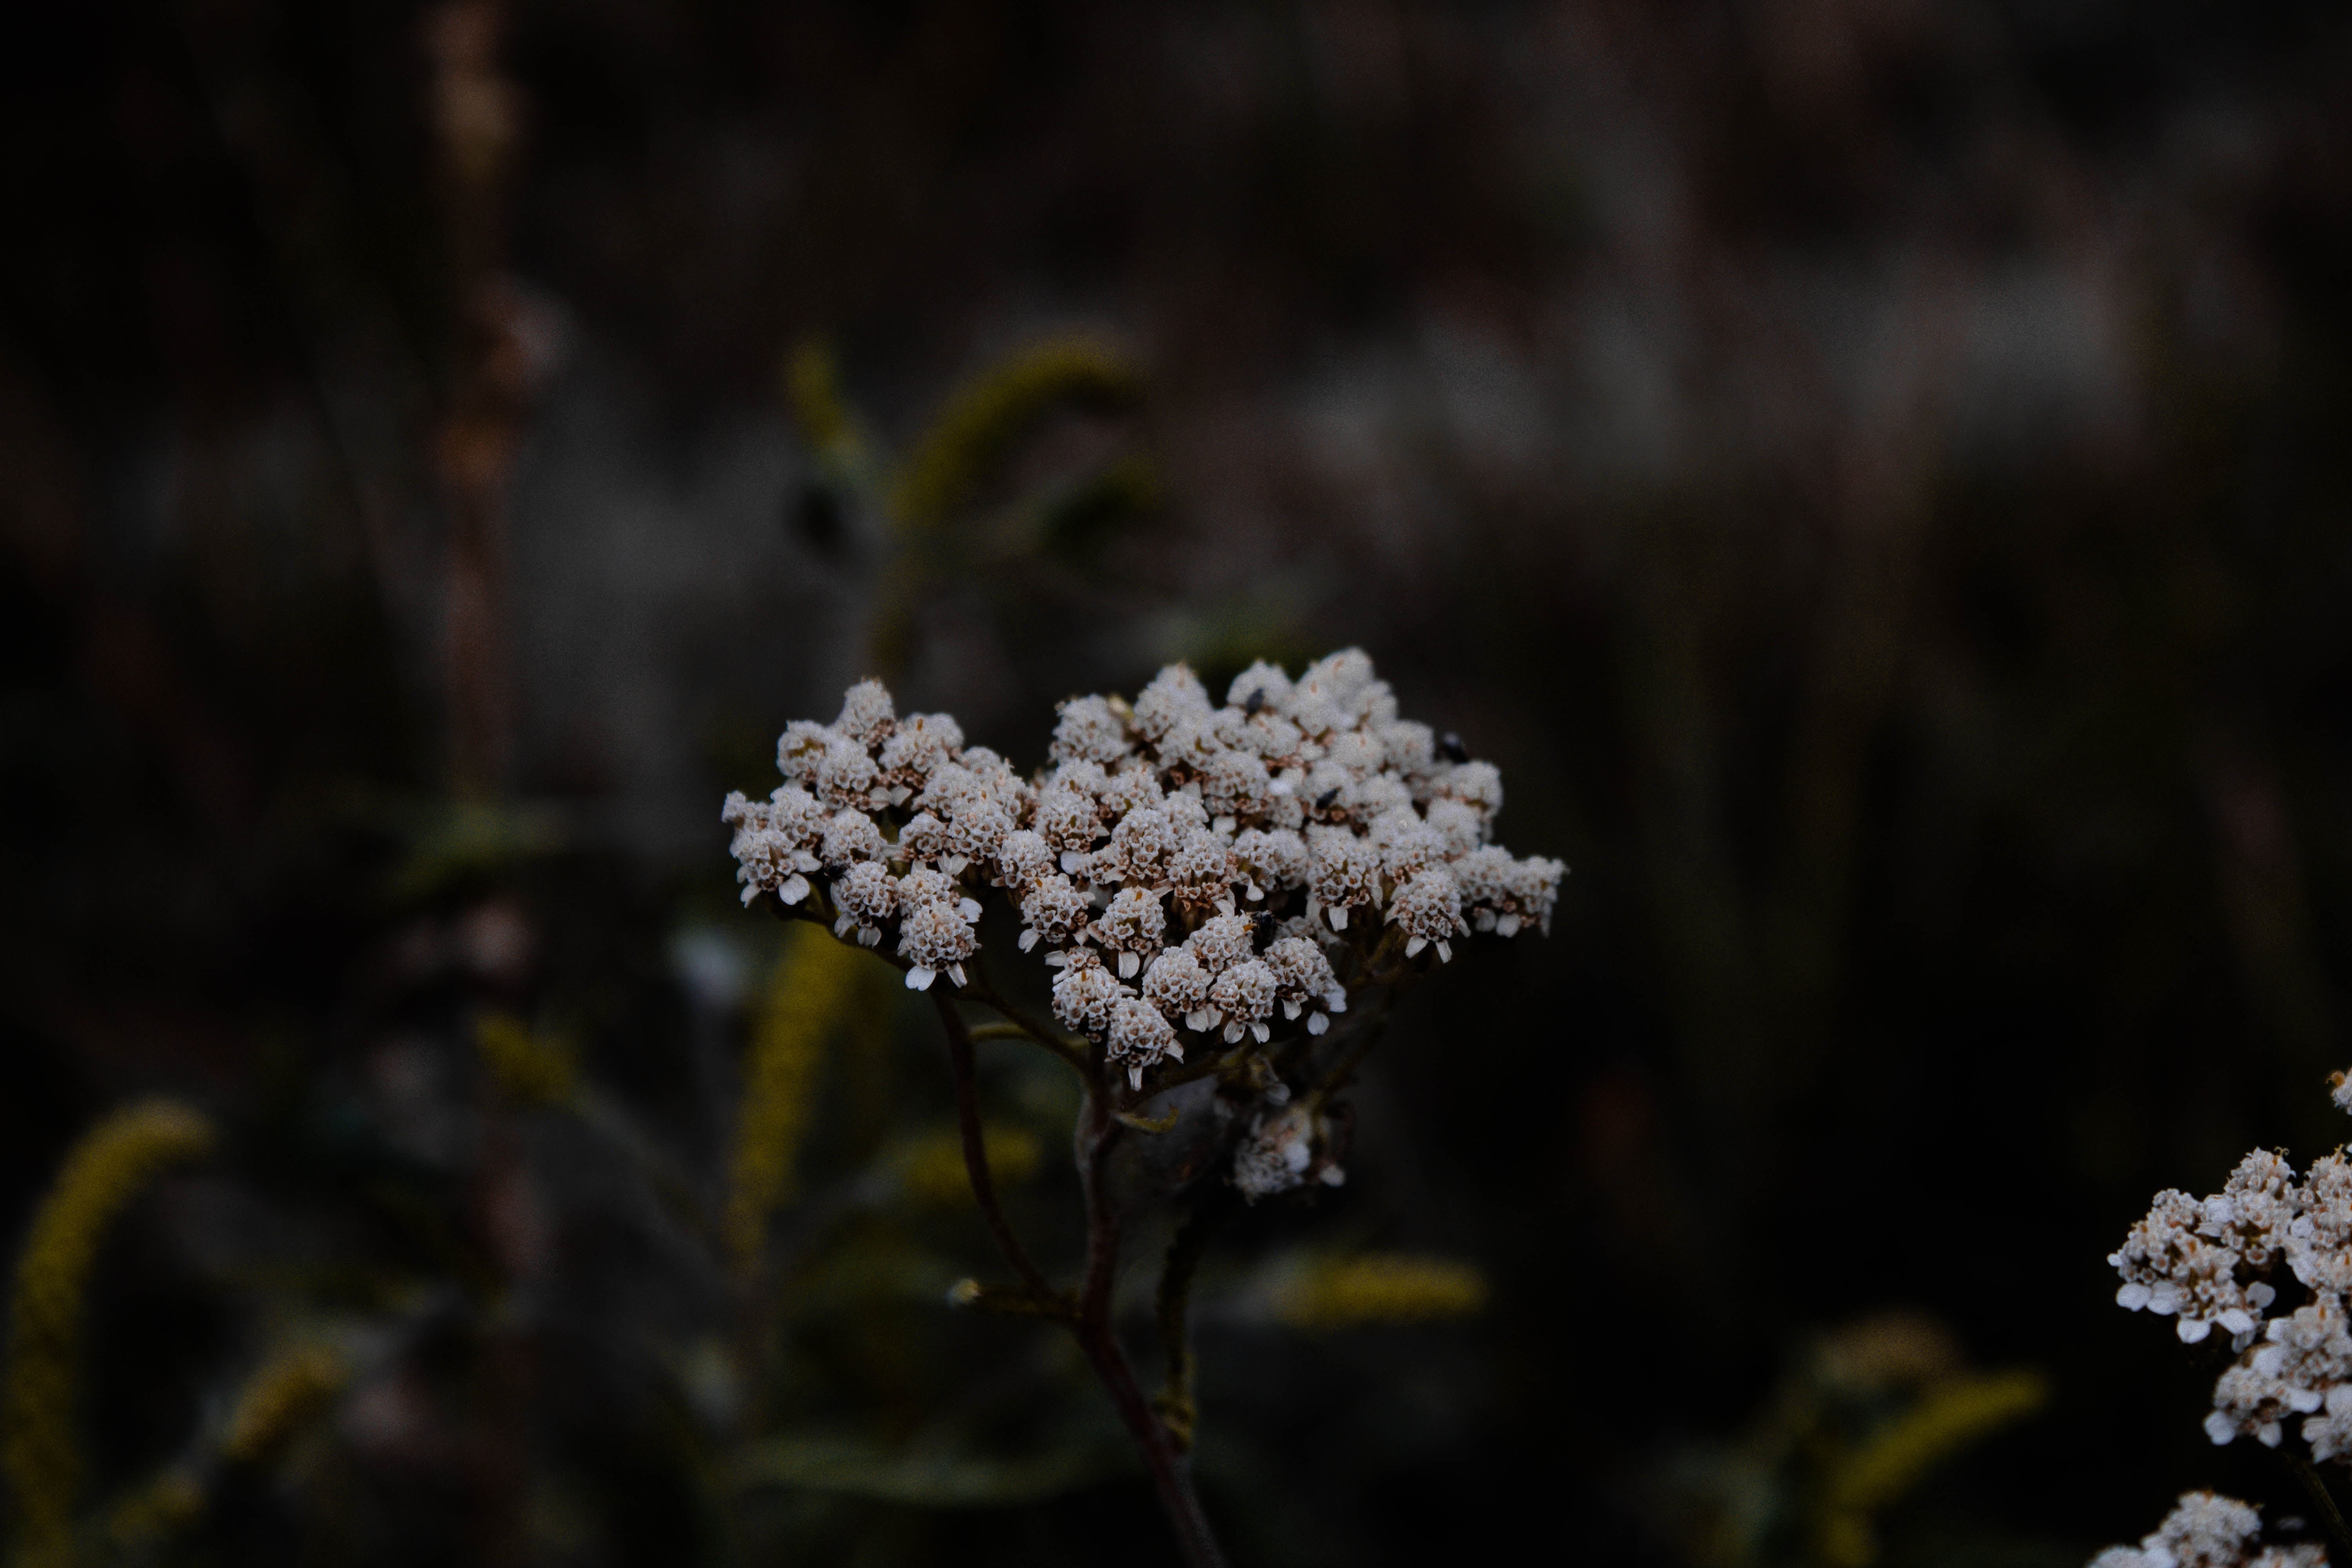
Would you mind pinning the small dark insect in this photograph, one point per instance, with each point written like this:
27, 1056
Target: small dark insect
1266, 922
1256, 700
1450, 747
1323, 802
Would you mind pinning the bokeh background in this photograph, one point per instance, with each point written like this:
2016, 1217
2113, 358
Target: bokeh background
1873, 473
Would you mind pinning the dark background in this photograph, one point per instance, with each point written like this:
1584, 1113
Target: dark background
1874, 475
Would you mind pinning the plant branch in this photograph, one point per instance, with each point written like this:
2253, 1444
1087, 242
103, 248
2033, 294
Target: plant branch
2317, 1485
1098, 1132
976, 1154
817, 909
1170, 1471
1025, 1026
1185, 1250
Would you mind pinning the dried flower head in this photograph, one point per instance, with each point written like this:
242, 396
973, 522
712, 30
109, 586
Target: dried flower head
2221, 1262
1195, 872
2206, 1529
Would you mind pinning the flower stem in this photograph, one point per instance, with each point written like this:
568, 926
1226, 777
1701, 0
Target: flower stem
1098, 1132
1185, 1251
2314, 1483
1171, 1473
976, 1154
1089, 1317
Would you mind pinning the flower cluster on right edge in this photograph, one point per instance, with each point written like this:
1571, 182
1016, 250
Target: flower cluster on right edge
2266, 1263
2210, 1531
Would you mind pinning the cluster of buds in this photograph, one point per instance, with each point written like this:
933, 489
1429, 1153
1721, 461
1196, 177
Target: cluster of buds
1200, 876
2220, 1263
2207, 1530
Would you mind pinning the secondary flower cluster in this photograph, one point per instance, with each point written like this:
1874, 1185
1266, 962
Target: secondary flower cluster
2210, 1531
1198, 873
2217, 1262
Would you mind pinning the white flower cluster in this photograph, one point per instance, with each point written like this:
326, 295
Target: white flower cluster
842, 782
2210, 1531
2211, 1262
1192, 871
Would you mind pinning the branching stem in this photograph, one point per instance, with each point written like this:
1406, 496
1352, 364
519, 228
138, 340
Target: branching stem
1088, 1317
1184, 1252
2317, 1485
1098, 1133
976, 1153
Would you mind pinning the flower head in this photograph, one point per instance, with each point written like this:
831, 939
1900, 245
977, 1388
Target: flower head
1209, 862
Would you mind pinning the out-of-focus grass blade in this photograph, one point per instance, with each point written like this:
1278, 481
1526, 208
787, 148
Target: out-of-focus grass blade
851, 1468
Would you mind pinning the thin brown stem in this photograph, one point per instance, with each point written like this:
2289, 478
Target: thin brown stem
818, 910
984, 991
1171, 1474
1023, 1026
2317, 1485
976, 1153
1098, 1132
1185, 1250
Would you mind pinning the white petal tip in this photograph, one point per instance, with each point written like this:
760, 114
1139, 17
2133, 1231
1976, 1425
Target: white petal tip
919, 979
1413, 946
1127, 965
1317, 1024
1339, 918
